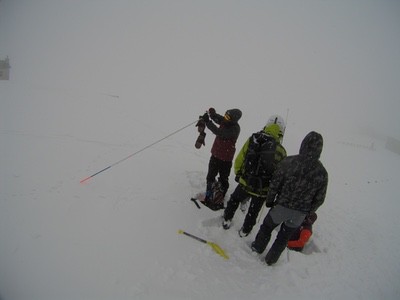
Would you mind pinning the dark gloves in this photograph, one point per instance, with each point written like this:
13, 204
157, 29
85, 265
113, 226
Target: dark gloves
201, 126
200, 140
211, 112
205, 118
270, 202
237, 177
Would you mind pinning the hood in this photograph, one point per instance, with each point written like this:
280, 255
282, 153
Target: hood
273, 130
311, 146
235, 114
277, 119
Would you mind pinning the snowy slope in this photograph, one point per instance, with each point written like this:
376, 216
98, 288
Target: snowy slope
116, 236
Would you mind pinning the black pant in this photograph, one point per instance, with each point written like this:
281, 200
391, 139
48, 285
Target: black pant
255, 206
223, 168
264, 235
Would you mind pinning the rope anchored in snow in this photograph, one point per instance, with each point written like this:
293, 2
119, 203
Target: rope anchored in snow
144, 148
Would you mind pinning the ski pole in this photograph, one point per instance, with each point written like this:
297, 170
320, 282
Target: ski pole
144, 148
287, 117
214, 246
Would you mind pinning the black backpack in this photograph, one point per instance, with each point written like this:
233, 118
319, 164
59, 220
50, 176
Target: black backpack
260, 163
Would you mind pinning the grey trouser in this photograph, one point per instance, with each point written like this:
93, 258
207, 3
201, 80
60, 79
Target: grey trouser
291, 218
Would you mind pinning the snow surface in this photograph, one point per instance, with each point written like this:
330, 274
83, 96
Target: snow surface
93, 82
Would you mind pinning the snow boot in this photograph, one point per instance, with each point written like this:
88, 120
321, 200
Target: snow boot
226, 224
242, 233
260, 243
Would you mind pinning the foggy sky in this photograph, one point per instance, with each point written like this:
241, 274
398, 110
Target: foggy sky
331, 61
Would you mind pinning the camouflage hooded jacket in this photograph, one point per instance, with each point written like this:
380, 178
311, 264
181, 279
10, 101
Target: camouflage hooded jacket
300, 181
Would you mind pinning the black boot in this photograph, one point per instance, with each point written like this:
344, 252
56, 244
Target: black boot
279, 245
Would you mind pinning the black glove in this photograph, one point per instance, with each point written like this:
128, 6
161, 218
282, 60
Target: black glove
237, 177
269, 204
201, 126
212, 112
200, 140
205, 118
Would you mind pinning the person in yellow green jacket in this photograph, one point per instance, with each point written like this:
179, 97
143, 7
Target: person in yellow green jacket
253, 167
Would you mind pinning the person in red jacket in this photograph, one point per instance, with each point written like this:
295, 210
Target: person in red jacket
300, 237
222, 151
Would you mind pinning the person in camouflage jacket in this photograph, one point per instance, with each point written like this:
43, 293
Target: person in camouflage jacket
297, 189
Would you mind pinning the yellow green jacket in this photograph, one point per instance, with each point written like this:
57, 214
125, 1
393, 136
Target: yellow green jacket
280, 154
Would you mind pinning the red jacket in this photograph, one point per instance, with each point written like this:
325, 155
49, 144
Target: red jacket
227, 133
302, 234
298, 244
